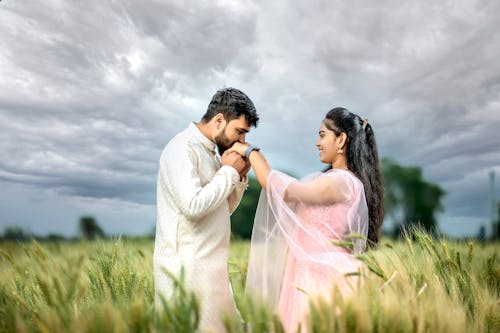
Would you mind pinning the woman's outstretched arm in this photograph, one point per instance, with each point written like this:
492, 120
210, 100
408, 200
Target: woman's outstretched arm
320, 191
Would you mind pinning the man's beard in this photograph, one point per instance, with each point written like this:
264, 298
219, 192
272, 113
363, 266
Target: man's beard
223, 143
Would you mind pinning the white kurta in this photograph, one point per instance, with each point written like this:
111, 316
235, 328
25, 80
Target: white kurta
195, 197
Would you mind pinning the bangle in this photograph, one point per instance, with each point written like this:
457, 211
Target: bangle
250, 149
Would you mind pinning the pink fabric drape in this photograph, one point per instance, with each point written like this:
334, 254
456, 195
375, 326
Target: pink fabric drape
300, 249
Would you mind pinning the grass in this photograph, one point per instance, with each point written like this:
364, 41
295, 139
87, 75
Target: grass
416, 285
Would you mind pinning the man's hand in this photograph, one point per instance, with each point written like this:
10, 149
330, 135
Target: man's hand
236, 161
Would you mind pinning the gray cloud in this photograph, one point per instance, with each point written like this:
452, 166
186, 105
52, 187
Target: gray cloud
91, 92
89, 87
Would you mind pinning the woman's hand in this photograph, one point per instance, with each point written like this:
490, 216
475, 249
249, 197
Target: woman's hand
257, 160
238, 147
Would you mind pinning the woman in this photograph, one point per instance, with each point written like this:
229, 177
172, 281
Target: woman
306, 233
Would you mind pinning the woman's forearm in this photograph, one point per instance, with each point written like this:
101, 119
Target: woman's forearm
260, 167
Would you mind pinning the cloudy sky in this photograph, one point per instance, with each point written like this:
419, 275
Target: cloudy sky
91, 91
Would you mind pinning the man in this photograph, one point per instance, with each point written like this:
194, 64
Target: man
197, 190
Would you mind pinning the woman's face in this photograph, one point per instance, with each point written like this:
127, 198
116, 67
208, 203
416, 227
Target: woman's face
327, 144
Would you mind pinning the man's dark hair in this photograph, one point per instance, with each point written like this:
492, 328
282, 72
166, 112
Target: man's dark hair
232, 103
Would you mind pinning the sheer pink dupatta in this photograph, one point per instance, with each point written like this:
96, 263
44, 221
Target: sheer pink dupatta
314, 234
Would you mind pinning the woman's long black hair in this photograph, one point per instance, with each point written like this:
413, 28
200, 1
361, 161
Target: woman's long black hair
363, 161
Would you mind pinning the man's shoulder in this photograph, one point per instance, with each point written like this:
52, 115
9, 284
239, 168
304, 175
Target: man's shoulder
182, 142
180, 138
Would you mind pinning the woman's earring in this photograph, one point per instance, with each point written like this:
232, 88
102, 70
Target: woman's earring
340, 150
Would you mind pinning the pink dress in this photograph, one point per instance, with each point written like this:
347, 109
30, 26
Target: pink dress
298, 250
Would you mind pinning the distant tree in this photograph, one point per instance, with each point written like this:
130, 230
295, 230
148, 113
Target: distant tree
242, 218
15, 234
55, 237
89, 229
409, 199
481, 234
495, 233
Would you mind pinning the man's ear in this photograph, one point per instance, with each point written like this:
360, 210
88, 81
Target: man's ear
219, 120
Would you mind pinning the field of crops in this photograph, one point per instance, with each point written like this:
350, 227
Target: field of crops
414, 285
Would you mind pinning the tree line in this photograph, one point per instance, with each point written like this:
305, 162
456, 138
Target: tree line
410, 200
88, 229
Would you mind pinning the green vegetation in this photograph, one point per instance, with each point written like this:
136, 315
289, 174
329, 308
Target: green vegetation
243, 216
416, 285
89, 229
409, 199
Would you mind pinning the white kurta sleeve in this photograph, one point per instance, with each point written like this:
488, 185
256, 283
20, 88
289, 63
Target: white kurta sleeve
179, 172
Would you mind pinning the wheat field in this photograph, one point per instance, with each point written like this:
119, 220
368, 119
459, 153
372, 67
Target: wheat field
418, 284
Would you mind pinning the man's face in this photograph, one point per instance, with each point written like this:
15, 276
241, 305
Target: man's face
234, 130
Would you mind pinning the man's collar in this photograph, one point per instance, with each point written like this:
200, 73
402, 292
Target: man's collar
201, 137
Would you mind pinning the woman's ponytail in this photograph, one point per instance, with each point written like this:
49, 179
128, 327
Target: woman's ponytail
363, 161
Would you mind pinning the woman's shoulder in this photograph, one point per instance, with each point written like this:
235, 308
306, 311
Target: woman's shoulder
341, 173
344, 176
311, 176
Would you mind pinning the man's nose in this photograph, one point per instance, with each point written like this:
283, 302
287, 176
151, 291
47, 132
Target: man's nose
242, 138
